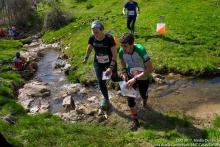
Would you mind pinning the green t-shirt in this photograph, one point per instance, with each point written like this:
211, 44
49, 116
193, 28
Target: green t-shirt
136, 60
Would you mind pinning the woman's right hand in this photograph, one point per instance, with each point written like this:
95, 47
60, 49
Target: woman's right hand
125, 77
108, 72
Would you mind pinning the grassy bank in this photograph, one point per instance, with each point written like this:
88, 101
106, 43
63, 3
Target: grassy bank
190, 46
160, 129
8, 48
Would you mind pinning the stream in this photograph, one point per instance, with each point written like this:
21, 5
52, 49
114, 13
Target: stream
54, 77
182, 94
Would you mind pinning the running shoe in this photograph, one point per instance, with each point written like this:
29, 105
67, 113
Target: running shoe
135, 125
144, 103
105, 104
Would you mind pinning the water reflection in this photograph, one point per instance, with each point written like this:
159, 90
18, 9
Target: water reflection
183, 94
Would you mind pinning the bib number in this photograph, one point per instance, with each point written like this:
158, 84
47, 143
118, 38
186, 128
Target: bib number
136, 70
103, 59
130, 12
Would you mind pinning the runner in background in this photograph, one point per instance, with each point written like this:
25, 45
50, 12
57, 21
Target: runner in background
35, 3
131, 7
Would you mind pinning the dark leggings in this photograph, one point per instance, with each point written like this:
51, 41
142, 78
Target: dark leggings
130, 23
99, 69
143, 89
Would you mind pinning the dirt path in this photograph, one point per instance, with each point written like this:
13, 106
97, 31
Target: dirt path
197, 99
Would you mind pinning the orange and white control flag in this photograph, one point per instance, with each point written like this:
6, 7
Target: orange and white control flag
116, 41
161, 28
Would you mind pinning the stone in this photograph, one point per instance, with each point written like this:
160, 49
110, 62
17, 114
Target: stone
68, 104
34, 110
92, 99
9, 119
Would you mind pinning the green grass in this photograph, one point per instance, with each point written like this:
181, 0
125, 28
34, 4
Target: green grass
48, 130
8, 48
12, 76
5, 88
190, 45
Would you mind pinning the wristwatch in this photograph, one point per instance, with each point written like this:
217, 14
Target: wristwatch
135, 77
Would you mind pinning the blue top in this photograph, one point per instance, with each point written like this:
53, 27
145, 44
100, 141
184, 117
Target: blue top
131, 9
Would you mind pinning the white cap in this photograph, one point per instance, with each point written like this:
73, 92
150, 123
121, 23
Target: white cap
96, 25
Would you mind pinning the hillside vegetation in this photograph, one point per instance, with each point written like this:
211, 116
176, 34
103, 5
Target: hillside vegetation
190, 47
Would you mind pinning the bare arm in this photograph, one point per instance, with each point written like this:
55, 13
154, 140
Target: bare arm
124, 70
149, 69
114, 54
88, 52
138, 8
113, 61
123, 11
123, 64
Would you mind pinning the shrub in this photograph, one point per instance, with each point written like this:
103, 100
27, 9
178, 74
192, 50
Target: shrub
22, 20
79, 1
56, 19
25, 41
89, 6
18, 12
48, 2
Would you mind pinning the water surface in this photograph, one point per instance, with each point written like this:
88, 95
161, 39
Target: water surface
178, 94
